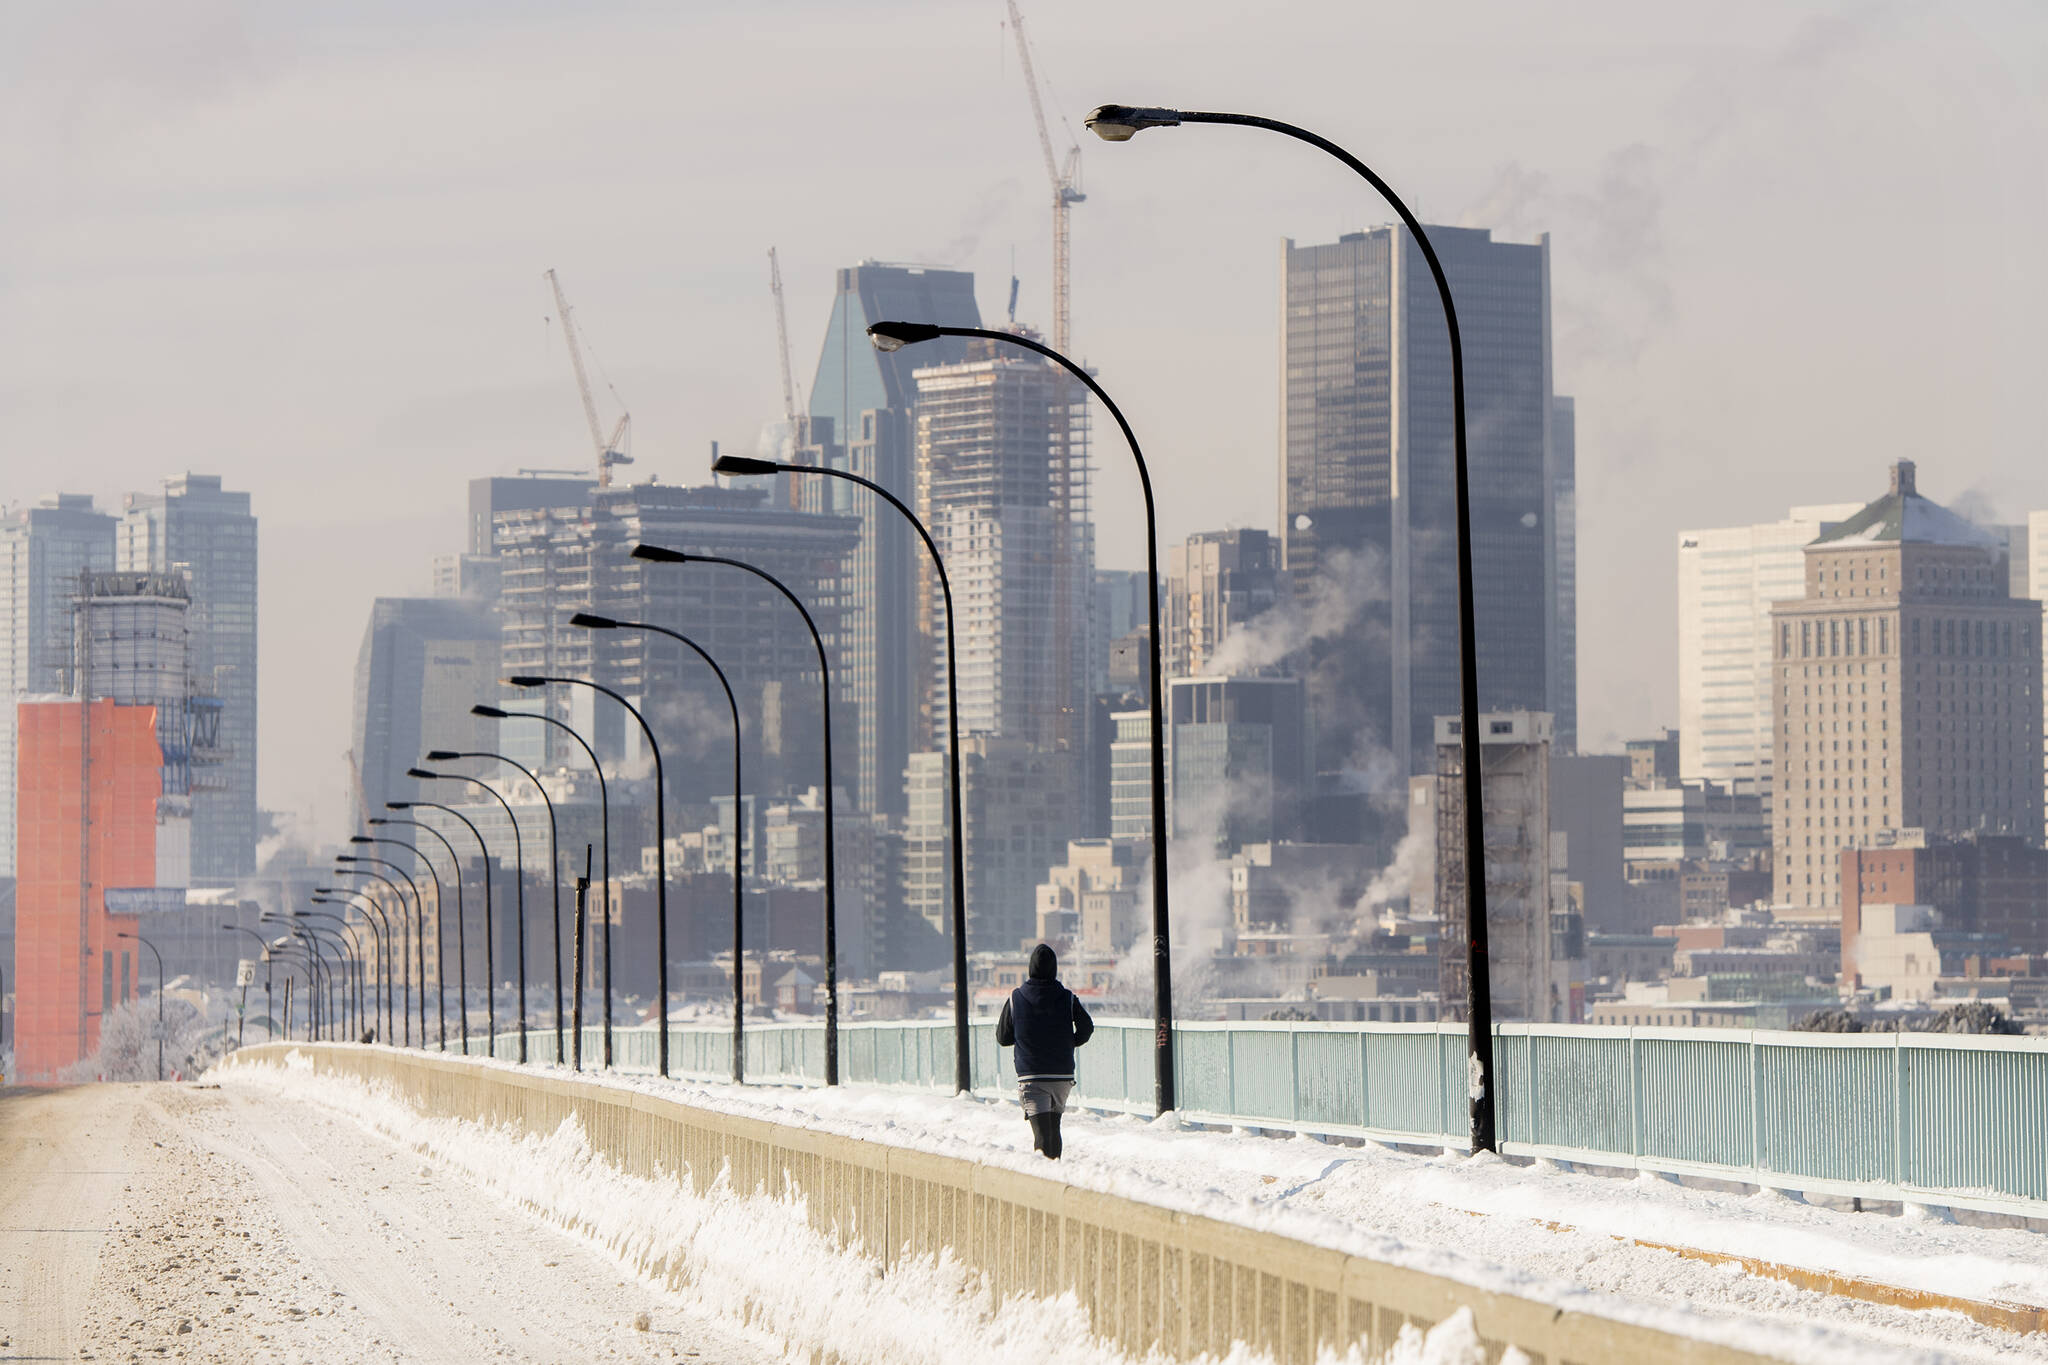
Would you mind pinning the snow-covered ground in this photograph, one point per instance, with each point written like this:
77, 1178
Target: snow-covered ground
1540, 1232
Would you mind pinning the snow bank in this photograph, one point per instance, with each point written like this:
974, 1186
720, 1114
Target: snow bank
757, 1261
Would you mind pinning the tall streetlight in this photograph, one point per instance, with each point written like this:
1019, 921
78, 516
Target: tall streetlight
320, 985
268, 1022
351, 965
282, 947
519, 903
391, 944
963, 1064
380, 936
659, 555
159, 995
434, 874
604, 816
1120, 123
894, 336
352, 869
419, 926
461, 948
440, 905
660, 864
554, 872
590, 622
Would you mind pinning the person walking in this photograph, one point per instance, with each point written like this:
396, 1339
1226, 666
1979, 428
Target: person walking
1045, 1023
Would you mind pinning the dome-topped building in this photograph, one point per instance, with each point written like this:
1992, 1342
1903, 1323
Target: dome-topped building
1906, 692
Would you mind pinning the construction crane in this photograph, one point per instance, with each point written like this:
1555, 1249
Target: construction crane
1066, 186
799, 422
610, 451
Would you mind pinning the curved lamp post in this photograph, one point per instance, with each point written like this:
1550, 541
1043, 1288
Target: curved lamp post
124, 933
660, 863
659, 555
1120, 123
519, 894
350, 898
351, 963
286, 949
434, 874
440, 919
963, 1065
554, 872
320, 983
590, 622
393, 947
604, 821
893, 336
461, 948
419, 915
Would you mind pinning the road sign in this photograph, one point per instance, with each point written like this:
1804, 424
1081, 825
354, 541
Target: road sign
245, 973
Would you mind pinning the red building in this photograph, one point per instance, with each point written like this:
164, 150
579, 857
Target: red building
88, 780
1990, 884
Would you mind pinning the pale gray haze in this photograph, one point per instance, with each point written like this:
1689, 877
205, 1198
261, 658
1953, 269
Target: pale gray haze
300, 245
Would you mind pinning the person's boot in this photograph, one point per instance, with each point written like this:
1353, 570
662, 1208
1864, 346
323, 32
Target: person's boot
1045, 1132
1045, 1135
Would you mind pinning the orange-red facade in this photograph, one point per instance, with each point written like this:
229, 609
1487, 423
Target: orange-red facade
69, 966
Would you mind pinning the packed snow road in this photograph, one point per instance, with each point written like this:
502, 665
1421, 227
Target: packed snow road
172, 1222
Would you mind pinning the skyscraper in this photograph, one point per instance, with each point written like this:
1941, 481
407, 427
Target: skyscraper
1728, 577
424, 662
1564, 585
196, 528
990, 448
1368, 524
43, 550
1907, 691
860, 421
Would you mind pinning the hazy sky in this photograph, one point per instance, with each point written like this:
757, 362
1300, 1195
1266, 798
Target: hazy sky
300, 245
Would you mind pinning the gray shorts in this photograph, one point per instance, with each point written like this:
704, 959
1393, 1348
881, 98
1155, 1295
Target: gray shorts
1044, 1097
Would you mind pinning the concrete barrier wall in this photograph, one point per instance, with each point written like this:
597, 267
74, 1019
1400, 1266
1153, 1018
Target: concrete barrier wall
1148, 1278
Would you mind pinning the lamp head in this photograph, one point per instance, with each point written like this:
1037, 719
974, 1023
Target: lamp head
423, 773
660, 554
398, 805
441, 755
363, 838
742, 464
489, 712
1122, 122
525, 680
588, 622
894, 336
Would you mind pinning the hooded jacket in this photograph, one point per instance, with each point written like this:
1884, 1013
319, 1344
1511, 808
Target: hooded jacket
1044, 1022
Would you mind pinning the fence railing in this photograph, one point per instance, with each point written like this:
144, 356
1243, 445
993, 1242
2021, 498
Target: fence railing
1938, 1119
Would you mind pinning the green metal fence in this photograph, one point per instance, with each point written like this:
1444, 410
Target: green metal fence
1939, 1119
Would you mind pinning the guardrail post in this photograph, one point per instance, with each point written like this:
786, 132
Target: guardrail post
1294, 1068
1756, 1107
1635, 1099
1898, 1162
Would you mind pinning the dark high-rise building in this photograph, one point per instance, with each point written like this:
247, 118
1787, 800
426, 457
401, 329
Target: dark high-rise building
1368, 523
860, 420
196, 528
1216, 582
424, 662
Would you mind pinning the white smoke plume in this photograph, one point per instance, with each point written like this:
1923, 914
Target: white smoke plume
1352, 581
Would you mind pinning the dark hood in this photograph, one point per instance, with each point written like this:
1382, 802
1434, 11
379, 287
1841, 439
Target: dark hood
1044, 965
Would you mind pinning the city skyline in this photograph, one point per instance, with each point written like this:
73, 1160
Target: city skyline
1670, 238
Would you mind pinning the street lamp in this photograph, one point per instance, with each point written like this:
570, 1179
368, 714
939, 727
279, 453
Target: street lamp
604, 817
461, 947
351, 964
159, 995
590, 622
419, 917
519, 900
660, 866
404, 967
963, 1065
380, 950
659, 555
320, 981
385, 943
894, 336
554, 872
440, 962
282, 947
1119, 123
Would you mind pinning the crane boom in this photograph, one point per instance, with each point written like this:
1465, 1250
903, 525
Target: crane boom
609, 452
1066, 187
782, 342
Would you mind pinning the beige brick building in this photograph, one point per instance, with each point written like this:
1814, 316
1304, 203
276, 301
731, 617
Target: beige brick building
1906, 692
